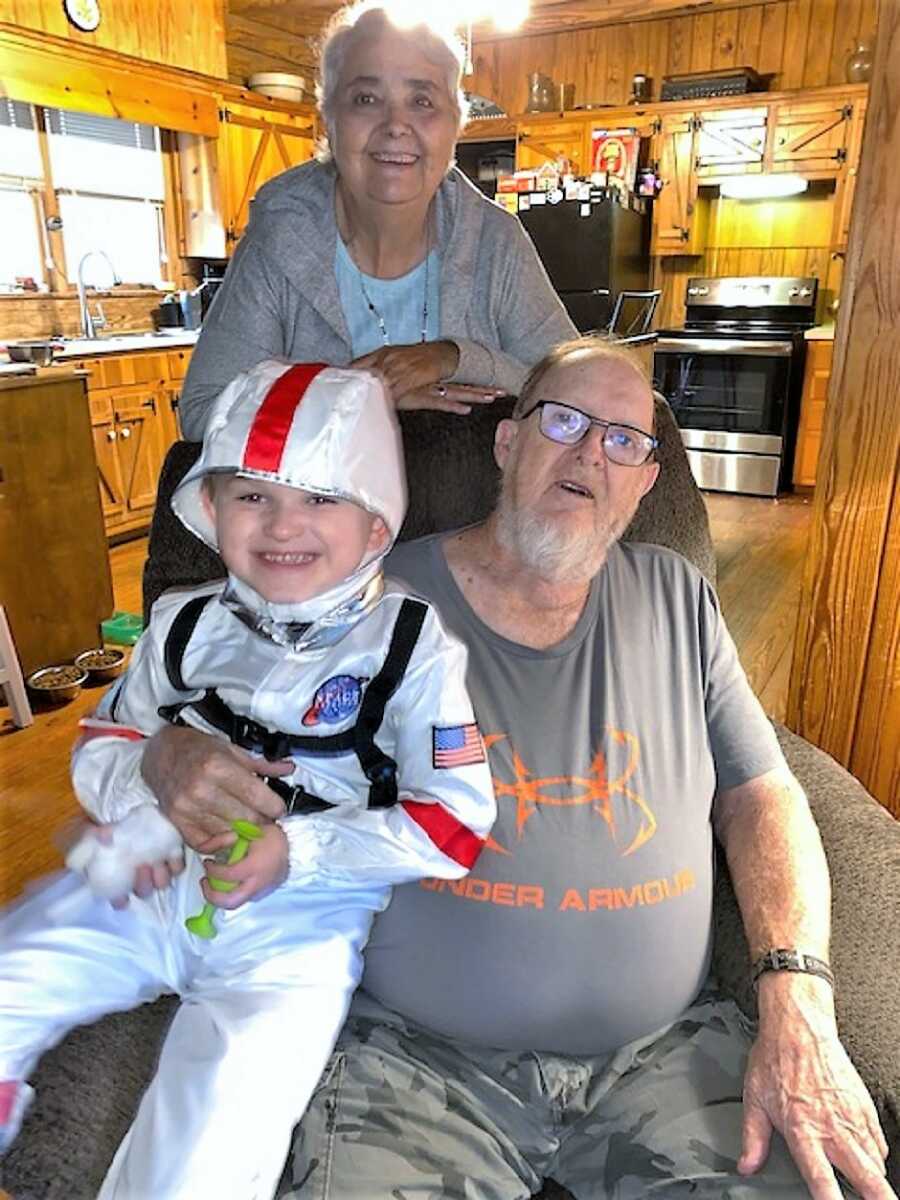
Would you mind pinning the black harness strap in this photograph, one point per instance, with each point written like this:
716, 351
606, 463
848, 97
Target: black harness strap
379, 769
180, 633
274, 745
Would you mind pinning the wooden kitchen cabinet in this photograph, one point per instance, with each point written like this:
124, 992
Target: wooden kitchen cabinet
256, 143
730, 141
679, 217
809, 136
542, 141
133, 405
846, 182
812, 411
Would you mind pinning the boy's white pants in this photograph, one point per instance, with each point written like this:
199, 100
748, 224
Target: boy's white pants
262, 1004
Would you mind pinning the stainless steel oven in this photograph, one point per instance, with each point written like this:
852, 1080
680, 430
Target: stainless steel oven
733, 376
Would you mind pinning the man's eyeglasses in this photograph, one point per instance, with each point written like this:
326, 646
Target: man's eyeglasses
622, 444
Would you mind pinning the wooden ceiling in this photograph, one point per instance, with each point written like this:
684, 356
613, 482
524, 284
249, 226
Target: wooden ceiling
280, 35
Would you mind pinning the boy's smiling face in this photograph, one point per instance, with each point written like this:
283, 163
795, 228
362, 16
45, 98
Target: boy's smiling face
288, 545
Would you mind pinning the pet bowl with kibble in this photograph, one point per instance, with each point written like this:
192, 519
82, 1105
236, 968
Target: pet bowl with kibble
56, 685
101, 664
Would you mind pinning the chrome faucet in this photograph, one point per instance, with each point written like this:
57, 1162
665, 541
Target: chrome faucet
90, 323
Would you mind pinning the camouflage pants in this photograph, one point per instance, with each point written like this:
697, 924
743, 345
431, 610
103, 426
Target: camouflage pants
401, 1114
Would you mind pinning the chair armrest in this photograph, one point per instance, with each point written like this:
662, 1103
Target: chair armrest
862, 844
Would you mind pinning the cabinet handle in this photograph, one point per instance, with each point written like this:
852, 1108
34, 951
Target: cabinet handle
110, 435
151, 404
126, 432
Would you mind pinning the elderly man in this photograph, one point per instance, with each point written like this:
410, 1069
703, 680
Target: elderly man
551, 1015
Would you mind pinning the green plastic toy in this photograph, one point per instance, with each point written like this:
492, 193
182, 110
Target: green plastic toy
202, 925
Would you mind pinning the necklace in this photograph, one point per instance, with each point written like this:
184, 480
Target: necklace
370, 303
377, 314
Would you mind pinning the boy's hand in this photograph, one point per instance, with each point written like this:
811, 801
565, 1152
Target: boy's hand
119, 880
264, 867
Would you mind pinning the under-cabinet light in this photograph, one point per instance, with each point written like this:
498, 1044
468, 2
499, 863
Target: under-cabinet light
762, 187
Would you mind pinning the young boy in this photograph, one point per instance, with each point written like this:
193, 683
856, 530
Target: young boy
302, 653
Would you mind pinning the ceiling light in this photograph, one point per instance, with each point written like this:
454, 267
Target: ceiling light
762, 187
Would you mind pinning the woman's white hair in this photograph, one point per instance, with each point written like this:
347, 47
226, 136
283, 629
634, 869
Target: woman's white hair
363, 20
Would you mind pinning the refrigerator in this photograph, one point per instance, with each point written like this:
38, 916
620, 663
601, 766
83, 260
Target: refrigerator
592, 250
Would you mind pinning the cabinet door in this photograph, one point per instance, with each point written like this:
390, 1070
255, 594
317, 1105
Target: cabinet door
675, 227
809, 135
731, 141
139, 442
812, 411
254, 146
846, 184
109, 476
541, 142
169, 405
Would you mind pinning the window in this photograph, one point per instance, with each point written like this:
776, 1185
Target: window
107, 178
21, 252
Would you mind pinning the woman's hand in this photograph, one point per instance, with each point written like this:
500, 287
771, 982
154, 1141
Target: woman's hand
202, 783
263, 867
415, 373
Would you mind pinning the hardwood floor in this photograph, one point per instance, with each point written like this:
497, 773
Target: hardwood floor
759, 547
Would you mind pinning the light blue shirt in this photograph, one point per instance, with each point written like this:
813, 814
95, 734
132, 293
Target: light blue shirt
400, 302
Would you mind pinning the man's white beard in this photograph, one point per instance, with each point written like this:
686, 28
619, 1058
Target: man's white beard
548, 548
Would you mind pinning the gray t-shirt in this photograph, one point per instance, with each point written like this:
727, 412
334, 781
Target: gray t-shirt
586, 921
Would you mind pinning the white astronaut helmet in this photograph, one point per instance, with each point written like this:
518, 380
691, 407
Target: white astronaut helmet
328, 430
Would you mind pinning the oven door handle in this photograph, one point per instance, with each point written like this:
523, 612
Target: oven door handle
763, 349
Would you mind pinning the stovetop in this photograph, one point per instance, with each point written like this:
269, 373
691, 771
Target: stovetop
748, 306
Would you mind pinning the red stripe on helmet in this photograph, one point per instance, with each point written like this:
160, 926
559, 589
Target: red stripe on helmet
272, 424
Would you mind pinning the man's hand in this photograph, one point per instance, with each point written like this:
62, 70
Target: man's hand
263, 867
801, 1082
202, 783
415, 376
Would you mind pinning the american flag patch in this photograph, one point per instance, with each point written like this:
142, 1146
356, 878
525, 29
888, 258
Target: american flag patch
457, 745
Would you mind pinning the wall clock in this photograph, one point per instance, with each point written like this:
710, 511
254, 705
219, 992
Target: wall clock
84, 14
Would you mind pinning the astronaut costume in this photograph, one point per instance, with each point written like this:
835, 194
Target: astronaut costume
364, 668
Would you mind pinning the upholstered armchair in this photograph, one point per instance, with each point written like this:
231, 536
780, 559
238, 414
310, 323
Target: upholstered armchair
88, 1087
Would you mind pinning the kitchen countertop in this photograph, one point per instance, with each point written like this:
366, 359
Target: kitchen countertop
820, 333
125, 343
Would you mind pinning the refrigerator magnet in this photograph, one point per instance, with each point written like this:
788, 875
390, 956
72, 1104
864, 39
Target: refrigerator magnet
538, 198
524, 202
555, 196
585, 210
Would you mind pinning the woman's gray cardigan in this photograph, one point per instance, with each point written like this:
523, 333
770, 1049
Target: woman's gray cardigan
280, 297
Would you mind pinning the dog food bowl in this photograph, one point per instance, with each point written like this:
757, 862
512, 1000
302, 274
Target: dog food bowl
102, 664
56, 685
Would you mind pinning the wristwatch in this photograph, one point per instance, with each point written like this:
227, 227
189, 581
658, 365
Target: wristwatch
791, 960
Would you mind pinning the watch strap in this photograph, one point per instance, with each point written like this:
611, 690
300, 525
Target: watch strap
791, 960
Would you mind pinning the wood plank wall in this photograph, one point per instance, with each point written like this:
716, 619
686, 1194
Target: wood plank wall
845, 677
798, 43
760, 237
189, 34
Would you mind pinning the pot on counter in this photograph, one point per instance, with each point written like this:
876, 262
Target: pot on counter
38, 353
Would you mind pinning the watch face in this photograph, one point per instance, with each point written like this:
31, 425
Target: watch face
84, 14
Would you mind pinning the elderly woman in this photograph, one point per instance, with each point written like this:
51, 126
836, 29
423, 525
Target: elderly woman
383, 254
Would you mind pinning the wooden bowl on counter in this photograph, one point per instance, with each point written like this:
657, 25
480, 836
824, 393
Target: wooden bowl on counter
102, 664
56, 685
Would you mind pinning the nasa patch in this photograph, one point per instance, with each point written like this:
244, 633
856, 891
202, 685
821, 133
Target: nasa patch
335, 700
